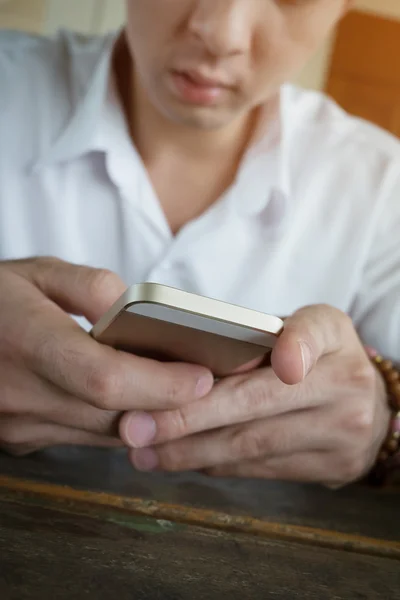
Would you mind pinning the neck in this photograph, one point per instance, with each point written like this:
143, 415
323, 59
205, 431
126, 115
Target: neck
155, 135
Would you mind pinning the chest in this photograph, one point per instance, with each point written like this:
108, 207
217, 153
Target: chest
85, 217
186, 191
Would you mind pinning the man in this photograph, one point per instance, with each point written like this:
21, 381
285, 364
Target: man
177, 153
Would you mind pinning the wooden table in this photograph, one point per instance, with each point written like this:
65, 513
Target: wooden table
80, 524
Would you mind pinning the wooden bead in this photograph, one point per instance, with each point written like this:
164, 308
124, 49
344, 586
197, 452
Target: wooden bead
386, 366
383, 456
392, 445
395, 389
395, 402
392, 376
396, 423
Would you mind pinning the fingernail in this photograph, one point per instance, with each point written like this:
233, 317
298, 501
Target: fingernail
307, 357
204, 385
141, 430
145, 459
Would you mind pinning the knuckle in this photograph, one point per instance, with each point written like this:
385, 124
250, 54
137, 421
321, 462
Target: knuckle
323, 311
101, 281
339, 315
103, 387
352, 467
247, 444
104, 423
341, 323
173, 425
363, 375
331, 322
44, 349
46, 262
174, 392
251, 394
40, 350
171, 459
42, 267
362, 420
344, 317
11, 434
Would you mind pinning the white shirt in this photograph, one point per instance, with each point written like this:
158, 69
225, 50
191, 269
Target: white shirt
314, 219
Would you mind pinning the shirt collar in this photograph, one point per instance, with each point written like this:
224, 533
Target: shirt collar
89, 75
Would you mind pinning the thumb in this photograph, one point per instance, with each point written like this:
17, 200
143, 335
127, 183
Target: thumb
77, 289
311, 333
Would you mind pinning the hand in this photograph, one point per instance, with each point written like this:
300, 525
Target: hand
57, 384
318, 414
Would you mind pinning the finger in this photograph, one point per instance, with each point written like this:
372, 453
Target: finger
233, 401
308, 335
43, 400
65, 410
75, 288
54, 347
306, 467
106, 378
26, 434
296, 432
252, 365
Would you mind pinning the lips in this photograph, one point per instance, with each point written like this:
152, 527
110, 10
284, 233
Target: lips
201, 79
197, 88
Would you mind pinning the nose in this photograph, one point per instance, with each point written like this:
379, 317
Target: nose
222, 26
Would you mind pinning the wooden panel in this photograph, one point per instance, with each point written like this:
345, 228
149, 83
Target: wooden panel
364, 76
367, 48
378, 104
355, 510
49, 554
81, 523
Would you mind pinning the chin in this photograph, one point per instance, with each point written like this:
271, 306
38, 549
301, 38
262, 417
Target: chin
205, 122
206, 118
202, 118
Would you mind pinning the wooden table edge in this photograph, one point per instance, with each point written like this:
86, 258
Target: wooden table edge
68, 499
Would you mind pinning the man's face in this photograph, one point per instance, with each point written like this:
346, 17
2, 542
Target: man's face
204, 63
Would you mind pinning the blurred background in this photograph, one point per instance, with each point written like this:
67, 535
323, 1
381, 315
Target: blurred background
359, 66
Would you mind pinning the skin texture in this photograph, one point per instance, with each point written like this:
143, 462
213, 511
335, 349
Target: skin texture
319, 411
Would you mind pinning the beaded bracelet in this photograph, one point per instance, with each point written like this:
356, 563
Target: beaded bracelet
390, 450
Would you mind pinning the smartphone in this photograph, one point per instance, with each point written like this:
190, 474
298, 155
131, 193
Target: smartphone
168, 324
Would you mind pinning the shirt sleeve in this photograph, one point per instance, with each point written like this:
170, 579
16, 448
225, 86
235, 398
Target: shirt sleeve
376, 310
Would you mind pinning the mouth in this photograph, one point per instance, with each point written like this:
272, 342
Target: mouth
201, 79
195, 87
